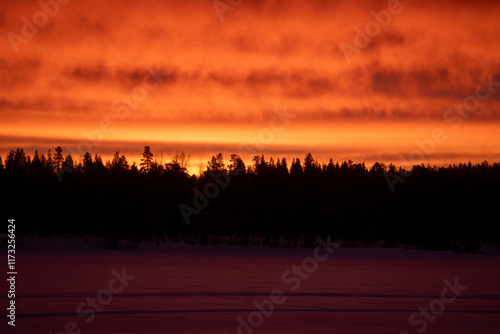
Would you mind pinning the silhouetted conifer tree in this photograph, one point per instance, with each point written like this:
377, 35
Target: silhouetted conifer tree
147, 160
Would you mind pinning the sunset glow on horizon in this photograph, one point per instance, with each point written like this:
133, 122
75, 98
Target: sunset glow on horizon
402, 82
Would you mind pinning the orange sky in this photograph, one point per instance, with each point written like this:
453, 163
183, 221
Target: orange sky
219, 83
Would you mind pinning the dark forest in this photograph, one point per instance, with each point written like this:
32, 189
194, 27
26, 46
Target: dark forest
269, 203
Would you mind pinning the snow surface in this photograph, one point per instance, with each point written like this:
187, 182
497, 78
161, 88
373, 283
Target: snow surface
182, 288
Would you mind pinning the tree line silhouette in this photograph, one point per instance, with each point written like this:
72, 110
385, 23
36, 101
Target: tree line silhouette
267, 203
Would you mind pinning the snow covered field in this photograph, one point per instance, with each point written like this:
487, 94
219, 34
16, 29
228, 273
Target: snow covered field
69, 286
